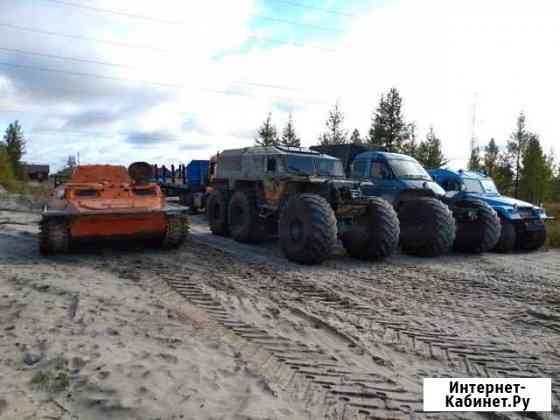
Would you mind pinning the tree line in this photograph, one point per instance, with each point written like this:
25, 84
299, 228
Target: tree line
388, 131
520, 168
12, 149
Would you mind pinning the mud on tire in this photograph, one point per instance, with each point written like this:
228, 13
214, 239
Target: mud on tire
176, 231
375, 234
244, 224
54, 236
427, 227
480, 235
217, 213
307, 229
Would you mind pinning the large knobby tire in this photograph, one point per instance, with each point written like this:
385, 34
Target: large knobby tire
244, 223
54, 236
176, 230
427, 227
217, 213
480, 235
508, 238
374, 236
307, 229
533, 240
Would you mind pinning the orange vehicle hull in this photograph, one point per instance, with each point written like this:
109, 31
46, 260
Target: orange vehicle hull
115, 225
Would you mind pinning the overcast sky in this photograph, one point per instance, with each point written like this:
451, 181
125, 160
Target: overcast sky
171, 81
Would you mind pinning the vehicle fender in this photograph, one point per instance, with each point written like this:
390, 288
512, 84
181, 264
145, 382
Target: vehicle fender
411, 194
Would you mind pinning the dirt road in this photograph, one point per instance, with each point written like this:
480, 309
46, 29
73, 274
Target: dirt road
347, 339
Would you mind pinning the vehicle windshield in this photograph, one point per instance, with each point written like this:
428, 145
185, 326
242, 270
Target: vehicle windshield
473, 186
408, 169
489, 186
308, 165
330, 167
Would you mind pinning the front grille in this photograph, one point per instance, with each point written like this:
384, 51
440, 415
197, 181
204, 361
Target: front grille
525, 212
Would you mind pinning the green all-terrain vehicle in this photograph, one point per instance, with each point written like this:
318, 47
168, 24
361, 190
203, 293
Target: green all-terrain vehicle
304, 198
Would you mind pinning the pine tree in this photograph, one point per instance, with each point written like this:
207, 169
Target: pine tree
550, 176
554, 171
474, 160
71, 162
410, 146
516, 148
503, 177
335, 133
267, 135
355, 138
289, 136
535, 177
490, 160
388, 129
429, 152
15, 147
6, 172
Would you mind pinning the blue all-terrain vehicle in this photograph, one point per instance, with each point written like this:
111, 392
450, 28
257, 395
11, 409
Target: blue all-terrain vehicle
522, 223
431, 221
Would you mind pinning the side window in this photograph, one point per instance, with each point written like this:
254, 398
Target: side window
380, 170
450, 185
359, 168
270, 165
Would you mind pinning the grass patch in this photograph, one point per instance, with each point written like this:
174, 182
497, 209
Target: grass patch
51, 380
553, 226
54, 378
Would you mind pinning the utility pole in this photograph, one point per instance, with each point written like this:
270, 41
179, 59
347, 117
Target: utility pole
474, 140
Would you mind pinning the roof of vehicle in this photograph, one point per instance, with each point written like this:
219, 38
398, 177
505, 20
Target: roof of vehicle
375, 154
276, 150
461, 173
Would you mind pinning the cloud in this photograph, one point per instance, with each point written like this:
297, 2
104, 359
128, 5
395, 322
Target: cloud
191, 147
152, 138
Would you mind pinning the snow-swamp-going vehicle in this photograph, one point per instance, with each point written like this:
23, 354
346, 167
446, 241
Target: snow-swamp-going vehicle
431, 223
522, 223
107, 202
304, 198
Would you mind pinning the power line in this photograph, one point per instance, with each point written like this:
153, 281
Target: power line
83, 38
115, 12
321, 9
290, 22
148, 47
159, 84
59, 57
177, 23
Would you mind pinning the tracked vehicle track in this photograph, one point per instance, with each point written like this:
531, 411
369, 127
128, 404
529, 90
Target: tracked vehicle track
439, 323
311, 373
475, 357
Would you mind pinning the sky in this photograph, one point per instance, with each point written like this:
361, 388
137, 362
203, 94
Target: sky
175, 80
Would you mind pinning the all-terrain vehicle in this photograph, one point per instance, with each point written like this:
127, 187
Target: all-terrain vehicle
430, 222
107, 202
522, 224
304, 197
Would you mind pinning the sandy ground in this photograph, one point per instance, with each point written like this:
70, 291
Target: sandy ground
220, 330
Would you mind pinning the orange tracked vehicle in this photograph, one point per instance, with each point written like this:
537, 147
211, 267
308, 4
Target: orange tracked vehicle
109, 202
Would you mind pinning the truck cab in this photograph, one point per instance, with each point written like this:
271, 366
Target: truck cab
390, 174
